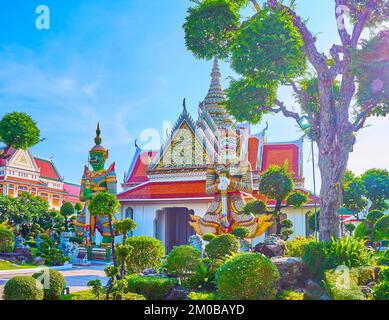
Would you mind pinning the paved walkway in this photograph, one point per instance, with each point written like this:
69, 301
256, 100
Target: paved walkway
76, 279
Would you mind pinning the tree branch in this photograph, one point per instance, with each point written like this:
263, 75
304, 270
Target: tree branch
314, 56
339, 66
361, 118
362, 19
281, 108
256, 5
340, 9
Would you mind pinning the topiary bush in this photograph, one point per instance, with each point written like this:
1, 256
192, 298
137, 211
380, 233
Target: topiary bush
381, 290
296, 247
374, 215
23, 288
153, 288
362, 231
241, 232
316, 260
342, 286
209, 237
382, 228
183, 260
202, 296
7, 240
247, 276
291, 295
222, 246
147, 253
55, 285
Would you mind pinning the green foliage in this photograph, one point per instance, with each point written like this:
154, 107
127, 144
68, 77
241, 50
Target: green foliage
245, 96
208, 237
374, 215
147, 253
67, 209
248, 276
203, 277
77, 239
23, 288
350, 228
269, 48
376, 182
210, 28
97, 287
241, 232
362, 231
342, 284
19, 130
371, 66
297, 199
255, 207
124, 226
287, 224
310, 87
54, 257
78, 207
276, 183
202, 296
103, 204
350, 252
153, 288
291, 295
54, 281
382, 258
7, 238
183, 260
311, 220
382, 228
381, 290
296, 247
354, 192
316, 260
222, 246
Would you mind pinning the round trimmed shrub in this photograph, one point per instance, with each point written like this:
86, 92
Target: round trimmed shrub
241, 232
209, 237
55, 285
382, 228
153, 288
247, 276
296, 247
147, 253
222, 246
183, 260
7, 240
374, 215
23, 288
362, 231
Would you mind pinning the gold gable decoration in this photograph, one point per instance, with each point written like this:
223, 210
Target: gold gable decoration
22, 160
184, 150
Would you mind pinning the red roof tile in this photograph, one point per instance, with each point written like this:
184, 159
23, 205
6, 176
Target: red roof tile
72, 189
277, 154
47, 169
166, 190
139, 173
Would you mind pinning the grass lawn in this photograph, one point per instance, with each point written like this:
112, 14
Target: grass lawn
88, 295
6, 265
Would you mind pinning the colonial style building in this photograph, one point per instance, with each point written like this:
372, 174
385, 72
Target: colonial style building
163, 188
20, 172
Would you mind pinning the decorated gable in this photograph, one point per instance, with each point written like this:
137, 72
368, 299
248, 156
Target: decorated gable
23, 159
183, 150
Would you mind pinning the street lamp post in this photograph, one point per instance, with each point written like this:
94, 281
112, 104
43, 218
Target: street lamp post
304, 124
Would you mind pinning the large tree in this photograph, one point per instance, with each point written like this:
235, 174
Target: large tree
272, 47
19, 130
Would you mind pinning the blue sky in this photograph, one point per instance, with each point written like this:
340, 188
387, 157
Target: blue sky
124, 63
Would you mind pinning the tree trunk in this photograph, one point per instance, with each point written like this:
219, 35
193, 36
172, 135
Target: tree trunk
335, 142
112, 241
277, 213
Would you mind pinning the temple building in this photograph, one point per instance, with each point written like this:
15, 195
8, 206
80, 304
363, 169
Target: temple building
162, 188
20, 171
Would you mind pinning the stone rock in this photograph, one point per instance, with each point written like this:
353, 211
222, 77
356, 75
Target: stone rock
272, 246
313, 291
366, 289
324, 297
39, 261
244, 245
197, 242
147, 272
290, 270
177, 293
24, 253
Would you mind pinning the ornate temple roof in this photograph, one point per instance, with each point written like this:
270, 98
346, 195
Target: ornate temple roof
148, 178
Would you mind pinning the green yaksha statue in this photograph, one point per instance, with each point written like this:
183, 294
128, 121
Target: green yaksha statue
93, 182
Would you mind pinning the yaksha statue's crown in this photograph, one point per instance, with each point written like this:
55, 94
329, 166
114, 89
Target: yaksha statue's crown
98, 148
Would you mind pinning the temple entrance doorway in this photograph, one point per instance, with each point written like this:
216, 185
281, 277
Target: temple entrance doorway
173, 226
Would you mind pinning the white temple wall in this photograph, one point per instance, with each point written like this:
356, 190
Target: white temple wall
144, 215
